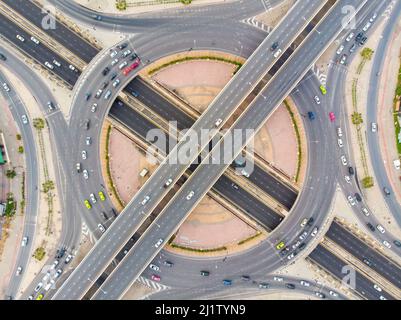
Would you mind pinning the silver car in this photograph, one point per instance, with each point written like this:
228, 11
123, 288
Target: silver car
86, 174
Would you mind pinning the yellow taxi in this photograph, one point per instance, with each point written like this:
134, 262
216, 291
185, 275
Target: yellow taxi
101, 196
280, 245
323, 89
87, 204
39, 297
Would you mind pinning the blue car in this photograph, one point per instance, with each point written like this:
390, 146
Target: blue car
311, 115
227, 282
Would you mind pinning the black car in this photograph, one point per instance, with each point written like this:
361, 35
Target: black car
246, 278
359, 37
168, 264
3, 57
397, 243
87, 124
371, 227
204, 273
133, 57
302, 246
386, 191
105, 215
60, 253
113, 76
358, 197
87, 96
284, 252
290, 285
104, 85
122, 46
351, 171
274, 46
363, 40
105, 71
367, 262
310, 221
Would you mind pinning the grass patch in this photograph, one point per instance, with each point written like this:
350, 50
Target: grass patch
198, 250
250, 238
11, 205
39, 253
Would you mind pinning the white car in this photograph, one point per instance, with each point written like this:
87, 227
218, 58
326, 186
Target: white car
296, 245
122, 65
38, 287
20, 38
332, 293
101, 228
58, 64
83, 154
314, 232
374, 127
49, 65
304, 222
46, 277
114, 62
126, 53
244, 173
35, 40
386, 244
92, 197
68, 259
190, 195
289, 257
71, 67
88, 141
24, 241
158, 243
303, 236
58, 273
24, 119
351, 200
339, 132
340, 143
343, 59
86, 174
365, 212
347, 179
380, 228
382, 298
377, 288
93, 108
145, 200
366, 27
19, 270
113, 54
350, 36
278, 279
168, 182
5, 87
54, 265
277, 53
344, 160
340, 49
373, 18
154, 267
116, 83
218, 122
304, 283
317, 100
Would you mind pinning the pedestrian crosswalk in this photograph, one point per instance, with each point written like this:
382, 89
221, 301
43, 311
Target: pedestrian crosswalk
267, 5
85, 229
320, 75
257, 24
151, 284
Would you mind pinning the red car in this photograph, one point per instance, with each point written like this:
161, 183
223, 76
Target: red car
131, 67
155, 277
332, 116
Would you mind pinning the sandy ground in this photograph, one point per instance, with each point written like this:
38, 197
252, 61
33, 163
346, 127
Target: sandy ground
272, 16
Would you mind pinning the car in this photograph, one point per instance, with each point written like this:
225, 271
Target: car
290, 286
204, 273
168, 182
168, 263
122, 65
101, 228
280, 245
131, 67
107, 95
54, 264
154, 267
340, 49
93, 108
38, 287
367, 262
122, 46
155, 277
132, 57
366, 27
87, 96
343, 60
126, 53
49, 65
363, 40
245, 173
49, 285
314, 232
135, 94
274, 46
145, 200
116, 83
30, 297
351, 171
292, 255
83, 154
371, 227
56, 63
24, 119
105, 71
85, 173
304, 283
352, 49
6, 87
397, 243
386, 191
87, 204
278, 279
19, 271
20, 38
317, 99
47, 276
304, 222
71, 67
190, 195
39, 297
377, 288
380, 228
359, 36
320, 295
93, 198
158, 243
310, 221
347, 179
264, 285
24, 241
98, 93
245, 278
68, 259
113, 76
303, 235
218, 122
386, 244
349, 37
114, 62
358, 197
50, 105
101, 196
332, 116
113, 53
277, 53
344, 160
3, 57
311, 115
365, 212
97, 17
104, 85
58, 273
88, 141
374, 127
339, 132
60, 253
284, 252
351, 200
296, 245
78, 167
227, 282
373, 18
382, 298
